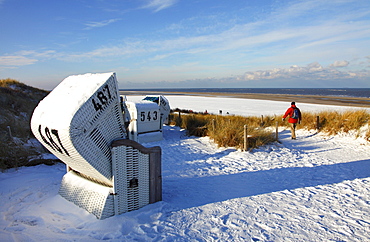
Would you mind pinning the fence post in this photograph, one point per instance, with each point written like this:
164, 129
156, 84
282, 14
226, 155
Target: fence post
179, 119
245, 137
277, 131
318, 123
10, 132
262, 123
213, 125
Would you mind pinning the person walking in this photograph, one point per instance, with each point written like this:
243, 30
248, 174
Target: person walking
295, 118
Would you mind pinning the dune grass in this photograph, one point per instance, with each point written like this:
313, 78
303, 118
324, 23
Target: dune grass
17, 102
228, 131
334, 122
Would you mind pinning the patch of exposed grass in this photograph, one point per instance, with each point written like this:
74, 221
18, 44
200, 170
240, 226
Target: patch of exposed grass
228, 131
335, 122
17, 102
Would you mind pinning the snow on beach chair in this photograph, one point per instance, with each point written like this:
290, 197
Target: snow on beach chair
145, 123
81, 123
164, 106
145, 119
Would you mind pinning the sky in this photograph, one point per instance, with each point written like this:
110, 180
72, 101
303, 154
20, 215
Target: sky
188, 43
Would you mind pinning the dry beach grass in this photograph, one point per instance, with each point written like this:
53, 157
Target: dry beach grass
17, 102
228, 131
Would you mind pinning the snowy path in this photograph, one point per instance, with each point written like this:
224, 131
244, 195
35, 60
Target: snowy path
293, 191
315, 188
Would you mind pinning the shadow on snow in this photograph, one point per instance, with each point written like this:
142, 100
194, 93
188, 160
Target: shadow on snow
191, 192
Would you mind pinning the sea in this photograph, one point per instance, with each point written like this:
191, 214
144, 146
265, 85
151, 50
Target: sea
338, 92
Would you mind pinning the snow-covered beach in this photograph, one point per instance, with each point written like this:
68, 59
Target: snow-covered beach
315, 188
241, 106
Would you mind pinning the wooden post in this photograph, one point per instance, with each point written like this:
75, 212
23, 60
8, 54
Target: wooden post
155, 175
277, 131
213, 125
261, 121
245, 137
168, 119
10, 132
318, 123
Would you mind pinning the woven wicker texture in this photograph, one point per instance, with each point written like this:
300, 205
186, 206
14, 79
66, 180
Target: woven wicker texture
77, 122
99, 130
92, 197
131, 183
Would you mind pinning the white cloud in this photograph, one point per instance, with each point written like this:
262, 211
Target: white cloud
15, 61
43, 54
311, 75
159, 5
92, 24
25, 57
342, 63
105, 52
313, 71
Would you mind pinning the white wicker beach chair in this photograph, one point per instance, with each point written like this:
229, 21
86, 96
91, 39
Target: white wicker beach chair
78, 122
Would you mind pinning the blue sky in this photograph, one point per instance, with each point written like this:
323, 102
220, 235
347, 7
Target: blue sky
188, 43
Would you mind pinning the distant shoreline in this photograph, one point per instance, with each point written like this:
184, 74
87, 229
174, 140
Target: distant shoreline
313, 99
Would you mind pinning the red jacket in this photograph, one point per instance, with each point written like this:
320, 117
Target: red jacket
289, 113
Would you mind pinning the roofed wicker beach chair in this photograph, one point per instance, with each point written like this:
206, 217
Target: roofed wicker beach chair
81, 123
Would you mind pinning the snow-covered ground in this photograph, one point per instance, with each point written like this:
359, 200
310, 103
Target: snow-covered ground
315, 188
240, 106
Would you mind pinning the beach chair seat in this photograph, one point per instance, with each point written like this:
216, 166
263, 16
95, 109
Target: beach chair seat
78, 122
137, 182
